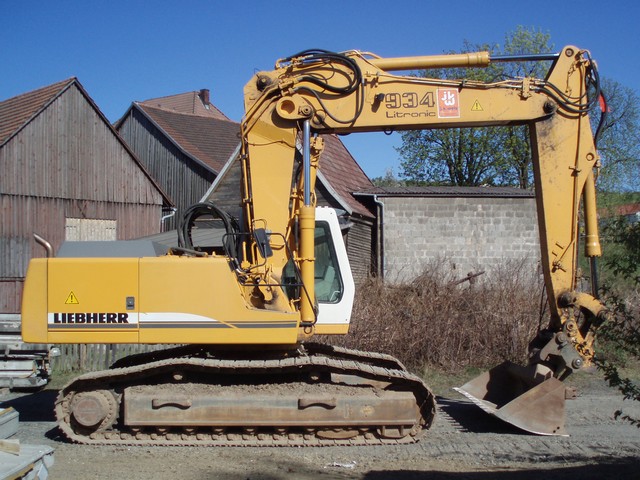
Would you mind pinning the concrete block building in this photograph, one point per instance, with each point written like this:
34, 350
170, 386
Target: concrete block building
471, 229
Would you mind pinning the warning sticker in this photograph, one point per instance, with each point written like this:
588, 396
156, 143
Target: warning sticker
448, 103
477, 107
71, 299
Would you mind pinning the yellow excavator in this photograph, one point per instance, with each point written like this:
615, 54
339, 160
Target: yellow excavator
242, 311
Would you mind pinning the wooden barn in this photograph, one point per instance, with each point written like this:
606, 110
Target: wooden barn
65, 175
183, 141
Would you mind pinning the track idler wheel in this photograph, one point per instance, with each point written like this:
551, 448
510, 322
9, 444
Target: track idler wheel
93, 411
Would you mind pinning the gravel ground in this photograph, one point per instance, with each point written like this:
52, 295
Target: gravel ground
464, 443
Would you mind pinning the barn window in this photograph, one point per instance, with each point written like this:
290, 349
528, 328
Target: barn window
89, 229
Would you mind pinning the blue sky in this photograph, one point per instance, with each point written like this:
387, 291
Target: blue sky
123, 51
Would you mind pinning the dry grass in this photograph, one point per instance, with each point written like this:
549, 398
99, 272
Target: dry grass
434, 322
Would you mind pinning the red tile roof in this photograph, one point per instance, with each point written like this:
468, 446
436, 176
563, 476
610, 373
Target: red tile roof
210, 140
620, 210
343, 173
195, 103
17, 111
629, 209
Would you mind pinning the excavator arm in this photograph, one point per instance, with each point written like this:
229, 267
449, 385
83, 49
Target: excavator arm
317, 92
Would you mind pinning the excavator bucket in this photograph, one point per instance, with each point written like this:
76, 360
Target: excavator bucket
514, 394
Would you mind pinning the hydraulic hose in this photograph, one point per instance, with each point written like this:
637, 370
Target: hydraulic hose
207, 208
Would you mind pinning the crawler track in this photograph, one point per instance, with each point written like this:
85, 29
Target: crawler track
319, 396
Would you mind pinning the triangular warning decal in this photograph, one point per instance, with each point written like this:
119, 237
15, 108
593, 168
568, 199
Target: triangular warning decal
72, 299
477, 107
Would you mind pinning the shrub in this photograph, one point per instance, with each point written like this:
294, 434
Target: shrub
436, 321
620, 337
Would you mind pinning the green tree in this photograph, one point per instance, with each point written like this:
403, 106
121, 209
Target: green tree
623, 254
515, 165
618, 144
620, 337
454, 156
388, 180
502, 155
476, 156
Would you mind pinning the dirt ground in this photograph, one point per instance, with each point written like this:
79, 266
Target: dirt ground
464, 443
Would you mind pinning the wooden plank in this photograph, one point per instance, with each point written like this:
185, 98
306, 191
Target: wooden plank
10, 446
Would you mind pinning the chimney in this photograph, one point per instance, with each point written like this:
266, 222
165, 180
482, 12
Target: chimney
204, 96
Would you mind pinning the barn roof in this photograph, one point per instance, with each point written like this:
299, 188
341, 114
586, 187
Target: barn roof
196, 103
343, 174
16, 112
207, 139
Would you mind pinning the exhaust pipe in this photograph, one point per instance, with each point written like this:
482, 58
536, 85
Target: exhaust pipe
45, 244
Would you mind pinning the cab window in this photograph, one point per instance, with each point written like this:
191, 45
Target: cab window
328, 282
327, 272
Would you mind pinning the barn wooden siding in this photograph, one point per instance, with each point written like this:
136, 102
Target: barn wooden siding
68, 151
185, 181
10, 295
66, 163
228, 192
357, 238
359, 248
24, 216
